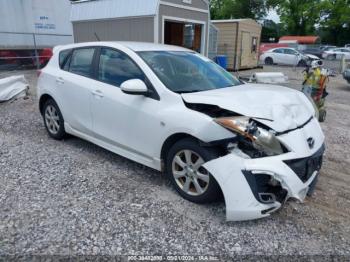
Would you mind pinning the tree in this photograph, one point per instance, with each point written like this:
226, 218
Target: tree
335, 21
227, 9
270, 30
298, 17
330, 19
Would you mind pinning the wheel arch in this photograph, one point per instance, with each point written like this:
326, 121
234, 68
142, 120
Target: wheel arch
269, 58
169, 142
173, 139
42, 101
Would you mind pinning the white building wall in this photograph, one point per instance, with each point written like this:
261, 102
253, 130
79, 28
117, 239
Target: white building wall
112, 9
35, 16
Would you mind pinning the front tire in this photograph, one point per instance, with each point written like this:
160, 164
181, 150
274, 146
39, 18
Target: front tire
322, 115
53, 120
184, 169
302, 63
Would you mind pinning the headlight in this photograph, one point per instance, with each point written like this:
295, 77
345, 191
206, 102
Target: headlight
239, 124
260, 138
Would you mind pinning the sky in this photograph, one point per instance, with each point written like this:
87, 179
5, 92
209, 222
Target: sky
273, 16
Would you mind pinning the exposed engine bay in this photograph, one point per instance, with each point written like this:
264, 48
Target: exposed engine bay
254, 139
259, 168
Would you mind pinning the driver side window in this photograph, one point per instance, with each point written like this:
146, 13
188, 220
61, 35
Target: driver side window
116, 67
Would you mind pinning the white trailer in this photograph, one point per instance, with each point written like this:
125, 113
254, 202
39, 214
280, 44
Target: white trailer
23, 22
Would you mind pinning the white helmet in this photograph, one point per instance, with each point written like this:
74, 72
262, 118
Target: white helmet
316, 63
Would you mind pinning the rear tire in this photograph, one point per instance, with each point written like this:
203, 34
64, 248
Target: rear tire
322, 116
184, 169
268, 61
53, 120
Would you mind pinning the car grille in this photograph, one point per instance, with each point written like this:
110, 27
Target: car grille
305, 167
261, 186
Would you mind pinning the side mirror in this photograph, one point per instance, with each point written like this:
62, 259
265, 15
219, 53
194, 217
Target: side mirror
134, 87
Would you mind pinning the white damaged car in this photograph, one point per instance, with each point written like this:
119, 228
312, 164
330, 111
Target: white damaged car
174, 110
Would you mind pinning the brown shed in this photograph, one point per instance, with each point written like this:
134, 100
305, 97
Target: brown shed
239, 40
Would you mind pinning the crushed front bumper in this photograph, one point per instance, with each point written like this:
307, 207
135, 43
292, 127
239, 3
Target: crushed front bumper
254, 188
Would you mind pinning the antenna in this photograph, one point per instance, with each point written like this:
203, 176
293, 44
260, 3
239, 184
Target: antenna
98, 39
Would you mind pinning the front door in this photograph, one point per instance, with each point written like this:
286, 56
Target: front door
122, 120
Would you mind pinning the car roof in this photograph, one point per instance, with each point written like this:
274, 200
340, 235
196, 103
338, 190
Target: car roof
135, 46
282, 48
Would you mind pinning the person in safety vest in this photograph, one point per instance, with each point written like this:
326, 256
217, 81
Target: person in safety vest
314, 86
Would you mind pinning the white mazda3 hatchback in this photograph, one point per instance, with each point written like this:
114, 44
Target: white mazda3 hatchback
174, 110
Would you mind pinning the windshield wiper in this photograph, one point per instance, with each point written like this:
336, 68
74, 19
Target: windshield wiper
188, 91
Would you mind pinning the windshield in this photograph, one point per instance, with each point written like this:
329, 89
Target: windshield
187, 72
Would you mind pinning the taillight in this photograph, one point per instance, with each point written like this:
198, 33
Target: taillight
38, 73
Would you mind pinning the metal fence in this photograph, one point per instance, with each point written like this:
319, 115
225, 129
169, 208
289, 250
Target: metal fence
20, 50
337, 66
213, 41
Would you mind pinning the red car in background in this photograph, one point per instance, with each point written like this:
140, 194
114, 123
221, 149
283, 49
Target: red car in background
44, 56
8, 57
24, 58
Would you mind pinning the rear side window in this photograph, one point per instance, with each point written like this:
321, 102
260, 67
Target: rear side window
290, 52
81, 61
63, 57
116, 67
279, 51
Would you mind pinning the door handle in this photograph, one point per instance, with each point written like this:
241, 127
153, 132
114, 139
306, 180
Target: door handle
97, 93
60, 80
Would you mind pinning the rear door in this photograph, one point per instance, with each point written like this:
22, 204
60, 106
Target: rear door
75, 85
278, 55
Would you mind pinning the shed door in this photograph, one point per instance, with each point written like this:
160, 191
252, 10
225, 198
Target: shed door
174, 33
184, 34
245, 49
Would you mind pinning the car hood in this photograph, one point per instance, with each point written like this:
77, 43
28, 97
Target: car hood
278, 107
313, 57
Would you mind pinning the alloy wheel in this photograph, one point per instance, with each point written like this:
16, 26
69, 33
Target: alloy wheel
189, 174
52, 119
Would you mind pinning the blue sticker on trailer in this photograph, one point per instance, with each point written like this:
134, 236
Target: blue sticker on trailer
45, 26
44, 23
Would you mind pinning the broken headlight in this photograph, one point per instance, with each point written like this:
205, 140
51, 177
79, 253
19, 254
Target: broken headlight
260, 138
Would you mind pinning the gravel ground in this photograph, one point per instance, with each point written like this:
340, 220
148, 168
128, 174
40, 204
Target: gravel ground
73, 198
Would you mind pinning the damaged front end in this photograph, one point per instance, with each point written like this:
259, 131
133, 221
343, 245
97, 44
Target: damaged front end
260, 169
